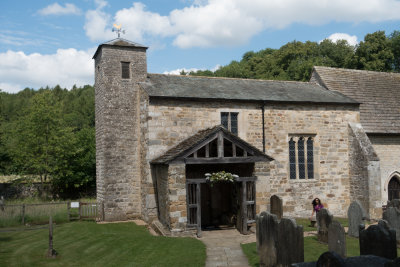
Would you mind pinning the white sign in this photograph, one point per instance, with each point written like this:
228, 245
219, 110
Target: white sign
74, 204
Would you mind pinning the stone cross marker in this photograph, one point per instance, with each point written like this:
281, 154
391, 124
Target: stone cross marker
279, 243
392, 216
337, 239
324, 219
378, 240
276, 206
355, 214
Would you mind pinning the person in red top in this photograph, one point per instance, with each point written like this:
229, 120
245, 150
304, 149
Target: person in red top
317, 205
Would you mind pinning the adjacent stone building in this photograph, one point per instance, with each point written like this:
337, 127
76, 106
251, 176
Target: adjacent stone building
379, 95
158, 135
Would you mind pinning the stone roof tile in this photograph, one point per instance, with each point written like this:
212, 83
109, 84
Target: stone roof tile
378, 93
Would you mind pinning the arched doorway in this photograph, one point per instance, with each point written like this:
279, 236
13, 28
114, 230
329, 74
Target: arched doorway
394, 188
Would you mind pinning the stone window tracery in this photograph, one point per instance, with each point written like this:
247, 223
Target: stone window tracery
301, 157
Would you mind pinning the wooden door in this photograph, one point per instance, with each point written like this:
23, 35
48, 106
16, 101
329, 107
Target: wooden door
193, 193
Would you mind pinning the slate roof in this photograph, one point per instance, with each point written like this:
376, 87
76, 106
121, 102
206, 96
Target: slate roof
193, 87
180, 149
378, 93
119, 42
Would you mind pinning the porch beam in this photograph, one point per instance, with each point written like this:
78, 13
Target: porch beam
220, 145
208, 150
233, 150
224, 160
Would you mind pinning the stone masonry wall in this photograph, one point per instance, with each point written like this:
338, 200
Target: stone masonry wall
117, 131
171, 121
388, 150
177, 197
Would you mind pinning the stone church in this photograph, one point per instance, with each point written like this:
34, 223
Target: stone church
336, 137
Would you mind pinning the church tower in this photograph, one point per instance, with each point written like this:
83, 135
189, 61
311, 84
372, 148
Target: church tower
119, 66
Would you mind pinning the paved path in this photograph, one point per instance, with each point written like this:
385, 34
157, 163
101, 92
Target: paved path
223, 247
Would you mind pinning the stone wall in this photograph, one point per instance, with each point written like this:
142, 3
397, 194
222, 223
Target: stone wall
177, 197
172, 121
388, 150
364, 172
117, 131
160, 173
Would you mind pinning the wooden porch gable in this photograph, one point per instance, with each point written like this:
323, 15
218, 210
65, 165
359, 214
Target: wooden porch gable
211, 146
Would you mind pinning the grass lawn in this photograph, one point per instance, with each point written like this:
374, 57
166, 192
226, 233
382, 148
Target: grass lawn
312, 249
91, 244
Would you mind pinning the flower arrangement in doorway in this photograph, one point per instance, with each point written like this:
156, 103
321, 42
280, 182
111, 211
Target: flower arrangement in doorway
221, 176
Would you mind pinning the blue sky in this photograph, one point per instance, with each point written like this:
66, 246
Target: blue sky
47, 42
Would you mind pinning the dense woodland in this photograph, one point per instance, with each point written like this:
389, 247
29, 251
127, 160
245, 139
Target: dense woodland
49, 133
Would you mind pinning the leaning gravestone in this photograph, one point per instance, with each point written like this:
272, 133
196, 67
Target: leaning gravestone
276, 206
355, 215
324, 219
266, 236
392, 216
290, 245
378, 240
337, 239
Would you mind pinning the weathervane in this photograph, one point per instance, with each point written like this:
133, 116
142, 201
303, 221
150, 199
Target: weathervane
118, 30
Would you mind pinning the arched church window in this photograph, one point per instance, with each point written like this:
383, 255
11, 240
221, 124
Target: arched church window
310, 158
301, 157
292, 158
394, 188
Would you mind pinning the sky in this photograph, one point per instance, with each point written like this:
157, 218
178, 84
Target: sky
45, 43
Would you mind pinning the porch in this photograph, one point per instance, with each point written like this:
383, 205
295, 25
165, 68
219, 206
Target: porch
187, 200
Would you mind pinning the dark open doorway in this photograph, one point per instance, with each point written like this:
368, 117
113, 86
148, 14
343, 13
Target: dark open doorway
394, 188
219, 205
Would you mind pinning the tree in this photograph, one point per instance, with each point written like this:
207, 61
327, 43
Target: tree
394, 37
374, 53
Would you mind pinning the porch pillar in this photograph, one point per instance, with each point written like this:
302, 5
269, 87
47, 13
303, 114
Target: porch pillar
177, 196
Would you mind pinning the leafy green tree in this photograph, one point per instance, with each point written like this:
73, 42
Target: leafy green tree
394, 37
374, 53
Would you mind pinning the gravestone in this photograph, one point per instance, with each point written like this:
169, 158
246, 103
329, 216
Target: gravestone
394, 203
266, 236
355, 215
337, 239
378, 240
330, 258
290, 245
276, 206
279, 243
324, 219
392, 216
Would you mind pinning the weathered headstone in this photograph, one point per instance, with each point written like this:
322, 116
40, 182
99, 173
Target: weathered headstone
378, 240
392, 216
394, 203
279, 243
324, 219
355, 215
337, 239
267, 233
276, 206
290, 245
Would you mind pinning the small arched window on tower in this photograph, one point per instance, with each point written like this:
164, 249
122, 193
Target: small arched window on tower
125, 70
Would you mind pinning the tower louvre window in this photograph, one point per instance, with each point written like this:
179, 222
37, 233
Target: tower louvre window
125, 70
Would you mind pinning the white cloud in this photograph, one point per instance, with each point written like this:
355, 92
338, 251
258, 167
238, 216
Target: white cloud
178, 71
351, 39
233, 22
56, 9
66, 68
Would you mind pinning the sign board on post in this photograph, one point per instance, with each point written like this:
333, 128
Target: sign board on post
74, 204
